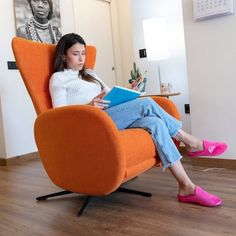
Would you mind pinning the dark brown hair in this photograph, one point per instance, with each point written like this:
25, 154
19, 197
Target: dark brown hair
63, 45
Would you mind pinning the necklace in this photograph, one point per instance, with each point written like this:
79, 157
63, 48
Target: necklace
40, 26
31, 28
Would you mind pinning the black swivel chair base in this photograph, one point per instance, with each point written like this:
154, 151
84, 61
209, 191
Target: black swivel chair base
88, 198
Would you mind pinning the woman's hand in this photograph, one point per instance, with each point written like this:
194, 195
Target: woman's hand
99, 102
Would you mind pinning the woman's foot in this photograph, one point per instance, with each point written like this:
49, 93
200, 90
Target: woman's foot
200, 197
192, 144
194, 148
186, 188
197, 147
209, 149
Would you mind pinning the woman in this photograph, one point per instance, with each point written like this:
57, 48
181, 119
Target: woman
38, 28
73, 84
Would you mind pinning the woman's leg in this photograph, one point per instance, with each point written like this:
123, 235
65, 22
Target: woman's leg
170, 158
188, 192
196, 147
192, 143
186, 186
167, 150
126, 113
142, 113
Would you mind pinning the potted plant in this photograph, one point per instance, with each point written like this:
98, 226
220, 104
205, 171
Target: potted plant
137, 80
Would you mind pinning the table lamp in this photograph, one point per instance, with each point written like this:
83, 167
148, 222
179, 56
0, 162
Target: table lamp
156, 41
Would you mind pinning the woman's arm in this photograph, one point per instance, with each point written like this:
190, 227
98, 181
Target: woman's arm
99, 102
57, 91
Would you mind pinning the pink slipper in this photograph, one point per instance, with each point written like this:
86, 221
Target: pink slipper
210, 149
201, 197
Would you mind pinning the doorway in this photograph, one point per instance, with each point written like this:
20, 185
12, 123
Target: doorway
93, 23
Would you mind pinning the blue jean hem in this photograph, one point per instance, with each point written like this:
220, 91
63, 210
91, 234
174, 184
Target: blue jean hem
171, 164
177, 129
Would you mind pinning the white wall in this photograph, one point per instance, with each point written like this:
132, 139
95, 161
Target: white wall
206, 66
2, 136
211, 60
17, 114
17, 111
173, 69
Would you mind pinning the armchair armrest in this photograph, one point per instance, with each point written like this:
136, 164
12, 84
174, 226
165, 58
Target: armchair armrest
168, 106
80, 148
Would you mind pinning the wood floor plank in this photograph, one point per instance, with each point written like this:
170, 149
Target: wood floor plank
118, 214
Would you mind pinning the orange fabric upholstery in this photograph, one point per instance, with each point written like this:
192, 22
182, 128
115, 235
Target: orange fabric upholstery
81, 148
32, 65
168, 106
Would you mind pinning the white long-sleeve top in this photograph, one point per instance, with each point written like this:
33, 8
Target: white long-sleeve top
67, 88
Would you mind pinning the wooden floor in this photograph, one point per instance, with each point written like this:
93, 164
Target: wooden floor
117, 214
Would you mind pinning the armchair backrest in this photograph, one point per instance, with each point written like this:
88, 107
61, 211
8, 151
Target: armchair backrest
35, 63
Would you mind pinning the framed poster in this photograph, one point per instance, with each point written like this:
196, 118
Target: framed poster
38, 20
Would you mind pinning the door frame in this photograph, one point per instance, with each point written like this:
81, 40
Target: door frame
116, 41
115, 38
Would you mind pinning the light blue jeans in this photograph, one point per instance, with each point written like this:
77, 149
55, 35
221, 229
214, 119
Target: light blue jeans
147, 114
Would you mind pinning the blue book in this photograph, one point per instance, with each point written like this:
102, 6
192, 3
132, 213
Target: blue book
118, 95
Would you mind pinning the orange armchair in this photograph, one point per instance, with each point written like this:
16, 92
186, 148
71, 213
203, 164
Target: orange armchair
81, 148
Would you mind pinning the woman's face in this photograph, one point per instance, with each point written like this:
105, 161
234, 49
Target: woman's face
40, 8
75, 57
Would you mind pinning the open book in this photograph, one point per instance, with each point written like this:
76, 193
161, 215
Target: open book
118, 95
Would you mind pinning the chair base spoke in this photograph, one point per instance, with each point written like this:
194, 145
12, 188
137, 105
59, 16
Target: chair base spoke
53, 195
86, 202
126, 190
88, 198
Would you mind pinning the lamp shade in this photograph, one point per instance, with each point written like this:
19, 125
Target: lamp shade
155, 37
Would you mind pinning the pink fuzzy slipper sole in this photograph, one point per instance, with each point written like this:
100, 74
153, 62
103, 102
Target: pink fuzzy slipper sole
201, 197
210, 149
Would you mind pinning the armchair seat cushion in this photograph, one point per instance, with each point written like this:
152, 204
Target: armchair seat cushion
140, 152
